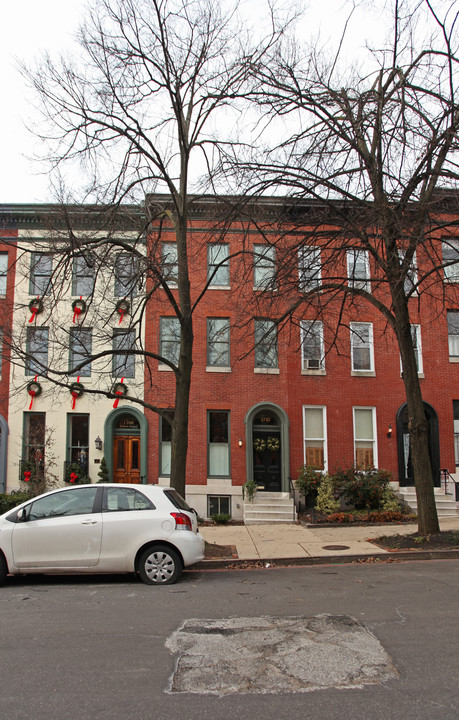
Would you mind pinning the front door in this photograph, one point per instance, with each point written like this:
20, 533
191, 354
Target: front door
267, 459
126, 461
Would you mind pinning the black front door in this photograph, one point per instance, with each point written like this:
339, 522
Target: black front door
267, 459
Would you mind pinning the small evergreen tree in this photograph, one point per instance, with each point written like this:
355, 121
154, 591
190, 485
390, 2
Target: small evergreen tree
103, 472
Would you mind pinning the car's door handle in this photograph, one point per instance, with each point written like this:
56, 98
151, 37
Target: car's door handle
89, 522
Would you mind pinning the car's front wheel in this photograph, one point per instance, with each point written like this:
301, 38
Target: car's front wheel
160, 565
3, 570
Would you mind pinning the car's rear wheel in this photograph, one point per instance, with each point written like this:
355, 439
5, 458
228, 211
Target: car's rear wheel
3, 570
160, 565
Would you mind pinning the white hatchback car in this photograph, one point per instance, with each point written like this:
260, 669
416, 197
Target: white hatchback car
102, 528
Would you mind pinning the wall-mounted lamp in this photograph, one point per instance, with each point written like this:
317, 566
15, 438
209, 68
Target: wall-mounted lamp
240, 442
98, 443
389, 431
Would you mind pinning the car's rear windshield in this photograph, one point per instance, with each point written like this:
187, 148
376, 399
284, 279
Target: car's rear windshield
177, 500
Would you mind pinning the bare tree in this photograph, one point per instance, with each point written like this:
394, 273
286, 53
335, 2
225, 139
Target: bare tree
138, 111
370, 162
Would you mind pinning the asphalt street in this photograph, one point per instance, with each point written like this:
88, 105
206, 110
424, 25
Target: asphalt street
95, 648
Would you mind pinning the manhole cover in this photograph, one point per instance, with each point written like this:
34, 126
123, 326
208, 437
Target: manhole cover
335, 547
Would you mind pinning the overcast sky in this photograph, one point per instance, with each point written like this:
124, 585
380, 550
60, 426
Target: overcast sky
30, 27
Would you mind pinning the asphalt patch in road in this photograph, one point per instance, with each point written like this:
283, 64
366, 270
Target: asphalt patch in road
276, 655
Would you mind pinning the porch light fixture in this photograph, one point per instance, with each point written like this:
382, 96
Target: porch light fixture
98, 443
240, 442
389, 431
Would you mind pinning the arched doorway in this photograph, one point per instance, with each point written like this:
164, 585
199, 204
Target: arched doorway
405, 468
267, 447
126, 446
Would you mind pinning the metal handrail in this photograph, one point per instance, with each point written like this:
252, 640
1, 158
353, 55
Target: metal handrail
292, 494
447, 477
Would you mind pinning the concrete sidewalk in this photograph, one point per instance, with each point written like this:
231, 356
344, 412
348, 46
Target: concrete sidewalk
294, 541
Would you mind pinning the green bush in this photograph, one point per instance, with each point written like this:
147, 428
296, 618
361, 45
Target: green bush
10, 500
221, 518
326, 502
82, 478
363, 488
309, 479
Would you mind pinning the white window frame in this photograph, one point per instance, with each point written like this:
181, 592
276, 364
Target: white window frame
314, 328
309, 268
218, 263
355, 257
355, 344
265, 347
453, 337
218, 339
222, 448
3, 273
373, 440
450, 247
309, 439
169, 263
173, 339
411, 277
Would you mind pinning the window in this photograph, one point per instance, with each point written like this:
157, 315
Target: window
125, 500
416, 338
411, 276
75, 501
451, 259
358, 269
265, 344
123, 363
218, 433
218, 504
364, 438
218, 269
264, 266
3, 272
169, 261
218, 342
78, 441
126, 275
456, 429
453, 333
83, 275
165, 444
33, 450
169, 339
40, 274
315, 445
362, 347
310, 270
80, 351
37, 350
312, 345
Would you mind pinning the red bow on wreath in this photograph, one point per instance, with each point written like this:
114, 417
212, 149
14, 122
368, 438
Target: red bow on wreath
119, 389
76, 391
73, 477
78, 307
27, 475
34, 390
35, 307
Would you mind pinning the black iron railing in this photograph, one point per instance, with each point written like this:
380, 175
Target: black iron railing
446, 478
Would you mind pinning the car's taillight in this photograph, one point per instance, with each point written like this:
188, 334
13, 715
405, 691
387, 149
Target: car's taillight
182, 521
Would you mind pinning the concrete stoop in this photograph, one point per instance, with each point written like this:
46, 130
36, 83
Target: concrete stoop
270, 507
446, 504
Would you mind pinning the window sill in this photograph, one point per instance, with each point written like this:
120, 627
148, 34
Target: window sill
267, 371
313, 372
215, 369
164, 368
454, 360
219, 287
363, 373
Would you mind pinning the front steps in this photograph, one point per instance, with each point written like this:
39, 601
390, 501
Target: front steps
446, 504
270, 507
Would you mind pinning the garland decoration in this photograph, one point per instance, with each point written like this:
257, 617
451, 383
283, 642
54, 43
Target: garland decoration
78, 307
34, 389
273, 444
76, 391
123, 308
35, 307
119, 389
259, 445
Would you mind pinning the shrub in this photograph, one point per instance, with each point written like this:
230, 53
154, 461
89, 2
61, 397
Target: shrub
10, 500
389, 501
309, 479
250, 489
103, 472
326, 502
221, 518
363, 488
74, 469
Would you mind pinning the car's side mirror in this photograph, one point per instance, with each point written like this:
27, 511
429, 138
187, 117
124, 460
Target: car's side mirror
22, 515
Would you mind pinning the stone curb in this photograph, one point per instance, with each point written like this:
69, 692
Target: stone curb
402, 555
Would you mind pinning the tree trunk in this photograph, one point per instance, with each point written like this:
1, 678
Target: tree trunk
417, 426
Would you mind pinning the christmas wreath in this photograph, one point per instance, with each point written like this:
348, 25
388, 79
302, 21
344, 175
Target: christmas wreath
34, 389
123, 308
119, 389
273, 444
78, 307
35, 307
76, 391
259, 444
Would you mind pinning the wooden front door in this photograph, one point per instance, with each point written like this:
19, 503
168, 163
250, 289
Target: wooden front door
267, 460
126, 460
